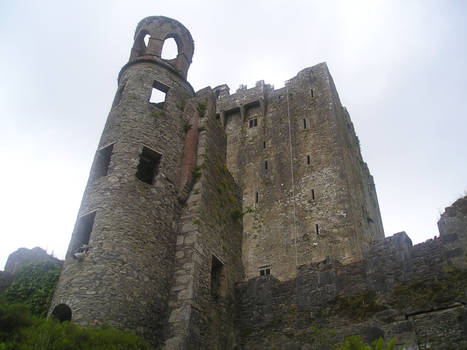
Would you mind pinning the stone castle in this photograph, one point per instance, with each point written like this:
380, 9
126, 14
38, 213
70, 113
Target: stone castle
246, 220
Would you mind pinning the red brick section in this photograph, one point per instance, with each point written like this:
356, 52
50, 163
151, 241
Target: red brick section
190, 148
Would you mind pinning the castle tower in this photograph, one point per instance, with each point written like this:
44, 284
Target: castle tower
120, 260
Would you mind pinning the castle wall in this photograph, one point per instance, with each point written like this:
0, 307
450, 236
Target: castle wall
316, 197
414, 293
123, 277
208, 252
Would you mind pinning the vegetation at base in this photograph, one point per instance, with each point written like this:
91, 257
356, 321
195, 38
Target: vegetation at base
358, 307
356, 343
19, 330
34, 286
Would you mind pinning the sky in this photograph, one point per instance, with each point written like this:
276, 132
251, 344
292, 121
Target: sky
400, 68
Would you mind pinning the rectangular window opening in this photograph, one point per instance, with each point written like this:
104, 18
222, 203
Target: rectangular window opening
83, 231
308, 159
158, 94
148, 166
313, 194
264, 144
266, 165
312, 93
317, 229
265, 271
103, 161
216, 277
304, 124
256, 197
253, 122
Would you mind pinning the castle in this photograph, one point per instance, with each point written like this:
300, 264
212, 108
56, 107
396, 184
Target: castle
210, 216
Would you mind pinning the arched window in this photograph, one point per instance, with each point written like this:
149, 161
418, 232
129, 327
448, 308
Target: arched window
146, 40
170, 49
62, 313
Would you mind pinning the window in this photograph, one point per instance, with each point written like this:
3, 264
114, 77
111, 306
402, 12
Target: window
253, 122
304, 124
148, 166
256, 197
312, 94
62, 313
158, 94
83, 233
308, 159
264, 144
265, 165
146, 39
313, 194
317, 229
216, 277
103, 161
265, 271
169, 49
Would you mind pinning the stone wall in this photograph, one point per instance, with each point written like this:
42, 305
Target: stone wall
315, 197
208, 254
417, 294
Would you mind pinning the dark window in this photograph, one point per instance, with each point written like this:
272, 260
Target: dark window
218, 116
158, 94
62, 313
308, 159
216, 277
83, 233
317, 229
264, 144
304, 123
313, 194
312, 93
265, 271
253, 122
148, 165
103, 161
266, 165
256, 197
261, 272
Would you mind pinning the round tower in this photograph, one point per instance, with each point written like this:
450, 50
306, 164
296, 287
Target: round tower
120, 259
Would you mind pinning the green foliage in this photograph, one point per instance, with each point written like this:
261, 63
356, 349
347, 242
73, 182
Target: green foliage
196, 173
21, 331
202, 106
35, 286
158, 114
356, 343
357, 307
186, 127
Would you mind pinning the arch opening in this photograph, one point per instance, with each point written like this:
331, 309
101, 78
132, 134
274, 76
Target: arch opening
62, 313
169, 49
146, 39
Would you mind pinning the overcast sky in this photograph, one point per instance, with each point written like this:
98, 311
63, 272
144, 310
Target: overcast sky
400, 68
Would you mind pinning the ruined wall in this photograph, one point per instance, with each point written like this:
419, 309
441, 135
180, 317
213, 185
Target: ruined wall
417, 294
208, 254
122, 275
315, 197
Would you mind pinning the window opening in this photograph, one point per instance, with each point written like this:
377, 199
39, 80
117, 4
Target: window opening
304, 124
83, 235
317, 229
103, 161
312, 93
308, 159
313, 194
218, 116
169, 49
266, 165
146, 39
62, 313
158, 94
148, 166
265, 271
253, 122
256, 197
216, 277
264, 144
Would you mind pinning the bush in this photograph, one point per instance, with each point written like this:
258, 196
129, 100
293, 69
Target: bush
34, 286
356, 343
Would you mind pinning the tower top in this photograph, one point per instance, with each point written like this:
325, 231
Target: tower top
157, 29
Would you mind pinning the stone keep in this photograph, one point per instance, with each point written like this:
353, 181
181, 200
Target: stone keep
194, 193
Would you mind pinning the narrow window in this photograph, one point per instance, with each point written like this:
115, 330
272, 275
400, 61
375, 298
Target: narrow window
313, 194
308, 159
158, 94
265, 271
261, 272
62, 313
304, 124
216, 277
266, 165
218, 116
264, 144
312, 93
255, 122
148, 166
256, 197
146, 40
268, 272
103, 161
83, 231
169, 49
252, 123
317, 229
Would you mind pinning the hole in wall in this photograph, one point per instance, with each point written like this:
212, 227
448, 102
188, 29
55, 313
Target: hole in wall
103, 161
62, 313
158, 94
169, 49
83, 232
148, 166
216, 277
146, 40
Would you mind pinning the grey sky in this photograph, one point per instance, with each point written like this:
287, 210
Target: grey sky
400, 68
